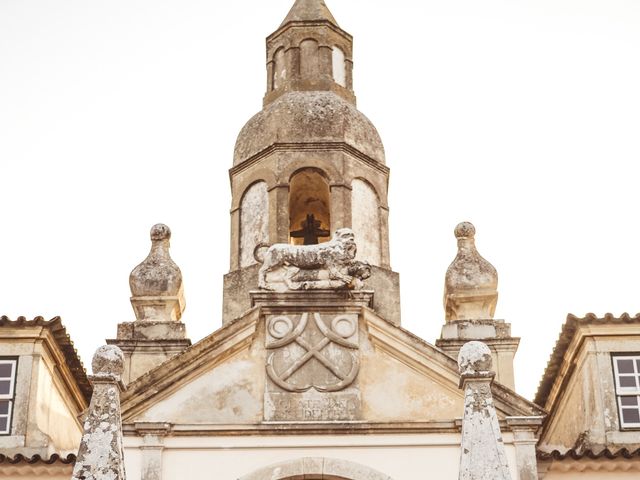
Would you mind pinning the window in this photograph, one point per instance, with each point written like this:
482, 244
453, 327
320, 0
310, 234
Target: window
627, 373
8, 369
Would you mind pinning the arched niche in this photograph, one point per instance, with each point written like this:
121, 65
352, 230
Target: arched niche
317, 469
309, 59
279, 69
365, 221
339, 67
309, 196
254, 221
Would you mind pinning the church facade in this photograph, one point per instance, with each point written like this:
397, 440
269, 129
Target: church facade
311, 374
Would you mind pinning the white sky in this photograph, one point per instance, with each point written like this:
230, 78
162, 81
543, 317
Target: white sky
521, 116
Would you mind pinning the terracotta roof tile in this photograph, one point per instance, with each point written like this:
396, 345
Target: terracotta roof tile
55, 458
573, 454
65, 344
566, 336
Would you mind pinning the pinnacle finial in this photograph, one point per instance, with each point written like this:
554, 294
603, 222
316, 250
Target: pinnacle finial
474, 358
160, 232
309, 11
108, 361
471, 284
465, 230
156, 284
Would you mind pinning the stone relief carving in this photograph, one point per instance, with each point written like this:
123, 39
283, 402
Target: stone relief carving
312, 367
325, 266
343, 364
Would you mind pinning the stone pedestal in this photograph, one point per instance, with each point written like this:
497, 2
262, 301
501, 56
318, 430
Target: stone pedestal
147, 344
496, 334
313, 354
385, 283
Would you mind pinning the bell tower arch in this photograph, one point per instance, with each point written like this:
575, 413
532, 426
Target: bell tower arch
314, 162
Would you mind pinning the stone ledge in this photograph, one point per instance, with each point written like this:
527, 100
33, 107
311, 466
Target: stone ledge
152, 331
318, 299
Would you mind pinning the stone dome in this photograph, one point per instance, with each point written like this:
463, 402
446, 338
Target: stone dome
307, 117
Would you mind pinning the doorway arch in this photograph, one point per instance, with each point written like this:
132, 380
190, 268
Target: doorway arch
316, 468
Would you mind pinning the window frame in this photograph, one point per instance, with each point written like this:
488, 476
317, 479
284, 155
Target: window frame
11, 396
621, 391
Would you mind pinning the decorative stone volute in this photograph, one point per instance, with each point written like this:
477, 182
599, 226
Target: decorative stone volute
156, 284
471, 284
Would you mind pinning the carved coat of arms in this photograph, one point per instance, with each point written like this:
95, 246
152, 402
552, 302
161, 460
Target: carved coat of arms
312, 352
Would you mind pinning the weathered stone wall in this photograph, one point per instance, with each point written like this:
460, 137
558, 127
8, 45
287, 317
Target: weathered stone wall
396, 456
230, 394
365, 220
254, 221
53, 416
587, 415
43, 416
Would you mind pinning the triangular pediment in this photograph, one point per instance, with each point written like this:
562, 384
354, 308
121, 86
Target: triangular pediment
223, 381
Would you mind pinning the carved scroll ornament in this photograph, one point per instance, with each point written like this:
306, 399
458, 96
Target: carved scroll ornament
343, 363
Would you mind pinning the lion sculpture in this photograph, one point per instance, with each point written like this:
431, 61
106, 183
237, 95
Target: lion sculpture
325, 266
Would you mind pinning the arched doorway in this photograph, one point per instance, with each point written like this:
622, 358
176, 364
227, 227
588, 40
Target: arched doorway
316, 468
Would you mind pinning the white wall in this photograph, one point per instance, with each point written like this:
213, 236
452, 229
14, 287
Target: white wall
401, 457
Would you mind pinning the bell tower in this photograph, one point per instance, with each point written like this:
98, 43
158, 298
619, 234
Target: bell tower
309, 163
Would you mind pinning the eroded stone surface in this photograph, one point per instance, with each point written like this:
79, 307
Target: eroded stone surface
312, 367
304, 117
471, 284
100, 456
156, 284
482, 456
108, 361
326, 266
474, 358
254, 222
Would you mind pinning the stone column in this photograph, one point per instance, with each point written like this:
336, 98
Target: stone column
234, 258
385, 260
524, 438
101, 456
325, 63
340, 206
349, 69
482, 456
153, 445
279, 214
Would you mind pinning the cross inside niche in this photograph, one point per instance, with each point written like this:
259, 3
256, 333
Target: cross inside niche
311, 231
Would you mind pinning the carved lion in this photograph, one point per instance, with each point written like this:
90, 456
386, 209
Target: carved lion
336, 257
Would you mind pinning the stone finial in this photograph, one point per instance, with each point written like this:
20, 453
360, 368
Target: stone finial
482, 453
156, 284
108, 361
471, 284
475, 359
101, 454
